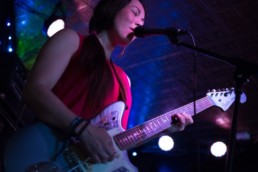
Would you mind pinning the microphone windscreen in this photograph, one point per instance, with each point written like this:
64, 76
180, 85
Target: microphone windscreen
138, 31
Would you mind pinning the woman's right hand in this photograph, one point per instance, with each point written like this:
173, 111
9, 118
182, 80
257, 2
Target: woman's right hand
98, 144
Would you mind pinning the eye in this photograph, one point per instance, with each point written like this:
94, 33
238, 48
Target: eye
135, 11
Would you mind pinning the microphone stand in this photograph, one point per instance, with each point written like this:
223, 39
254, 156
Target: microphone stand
243, 70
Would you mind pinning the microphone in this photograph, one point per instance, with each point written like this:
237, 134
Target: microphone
141, 31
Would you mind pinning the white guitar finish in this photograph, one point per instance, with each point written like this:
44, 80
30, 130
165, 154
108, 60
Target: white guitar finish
35, 146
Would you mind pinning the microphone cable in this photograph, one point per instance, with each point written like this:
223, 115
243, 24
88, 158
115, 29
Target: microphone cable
194, 100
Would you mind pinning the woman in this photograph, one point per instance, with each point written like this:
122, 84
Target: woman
74, 76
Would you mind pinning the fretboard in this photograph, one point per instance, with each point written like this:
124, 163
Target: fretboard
141, 133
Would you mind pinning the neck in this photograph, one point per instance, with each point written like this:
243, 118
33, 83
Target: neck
106, 42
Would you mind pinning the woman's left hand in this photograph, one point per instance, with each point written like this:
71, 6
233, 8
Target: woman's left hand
179, 122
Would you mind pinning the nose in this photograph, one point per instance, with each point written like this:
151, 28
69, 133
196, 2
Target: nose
138, 22
136, 25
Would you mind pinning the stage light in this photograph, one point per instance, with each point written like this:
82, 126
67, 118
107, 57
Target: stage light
8, 24
10, 49
55, 22
218, 149
53, 25
166, 143
134, 153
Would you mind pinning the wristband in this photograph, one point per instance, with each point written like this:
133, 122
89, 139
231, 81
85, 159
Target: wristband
85, 125
73, 125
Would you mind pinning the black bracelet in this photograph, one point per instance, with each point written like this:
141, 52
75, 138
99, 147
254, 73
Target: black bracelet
73, 125
87, 122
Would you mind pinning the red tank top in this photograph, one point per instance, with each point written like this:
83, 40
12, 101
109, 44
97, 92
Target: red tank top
72, 91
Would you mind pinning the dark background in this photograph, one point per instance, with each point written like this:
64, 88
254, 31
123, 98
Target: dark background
162, 76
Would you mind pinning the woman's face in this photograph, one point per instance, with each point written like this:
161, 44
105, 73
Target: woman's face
126, 21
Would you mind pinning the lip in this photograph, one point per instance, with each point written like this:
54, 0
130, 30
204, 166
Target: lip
132, 31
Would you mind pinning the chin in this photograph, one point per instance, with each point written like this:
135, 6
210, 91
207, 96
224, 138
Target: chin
126, 40
129, 39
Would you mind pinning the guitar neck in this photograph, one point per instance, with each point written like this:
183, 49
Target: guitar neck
141, 133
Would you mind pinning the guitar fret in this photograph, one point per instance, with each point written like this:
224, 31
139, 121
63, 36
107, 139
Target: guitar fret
161, 123
147, 128
153, 126
130, 138
201, 105
72, 158
140, 133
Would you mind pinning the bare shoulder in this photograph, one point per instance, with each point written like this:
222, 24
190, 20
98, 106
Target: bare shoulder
66, 33
65, 38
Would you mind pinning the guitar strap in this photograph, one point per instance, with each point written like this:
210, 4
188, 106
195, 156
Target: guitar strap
122, 93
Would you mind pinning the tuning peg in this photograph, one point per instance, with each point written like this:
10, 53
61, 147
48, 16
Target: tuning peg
210, 91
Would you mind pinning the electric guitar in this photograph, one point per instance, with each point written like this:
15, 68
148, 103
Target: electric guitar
40, 148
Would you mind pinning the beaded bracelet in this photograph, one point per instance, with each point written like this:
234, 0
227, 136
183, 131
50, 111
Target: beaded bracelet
73, 125
85, 125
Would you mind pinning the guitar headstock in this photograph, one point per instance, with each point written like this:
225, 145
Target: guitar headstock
222, 98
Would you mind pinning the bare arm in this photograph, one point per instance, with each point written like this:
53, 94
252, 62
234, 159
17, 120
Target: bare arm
51, 62
47, 70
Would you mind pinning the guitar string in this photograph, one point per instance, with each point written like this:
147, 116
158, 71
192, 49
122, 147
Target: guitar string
67, 141
126, 140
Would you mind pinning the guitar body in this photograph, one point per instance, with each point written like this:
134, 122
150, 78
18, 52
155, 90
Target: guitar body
33, 147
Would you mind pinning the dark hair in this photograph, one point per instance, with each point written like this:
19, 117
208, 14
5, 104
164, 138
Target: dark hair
104, 14
93, 59
97, 71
